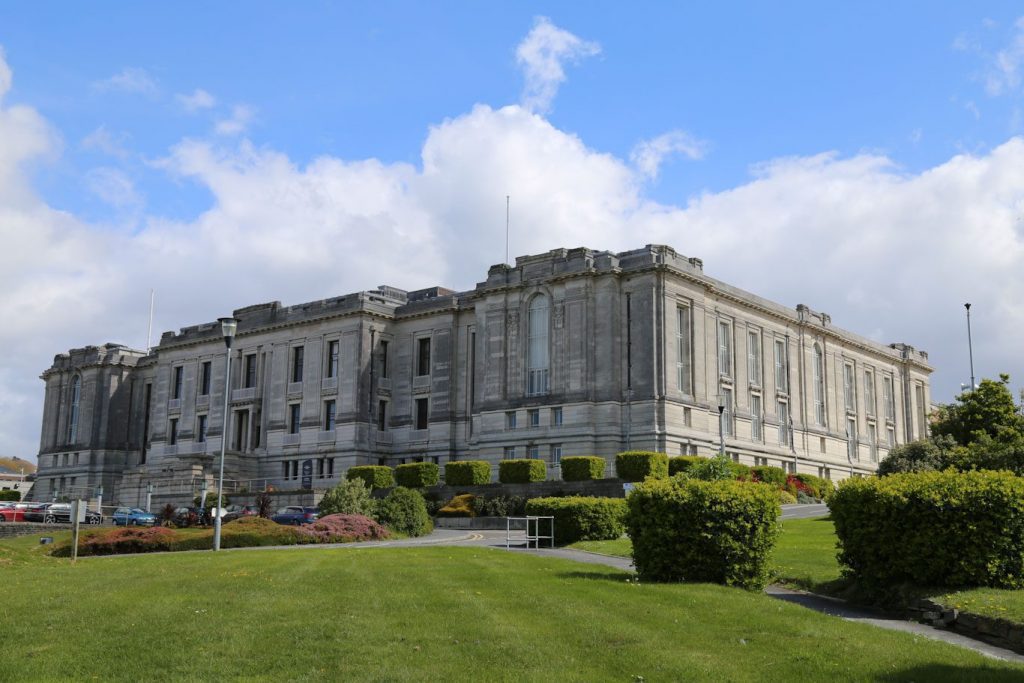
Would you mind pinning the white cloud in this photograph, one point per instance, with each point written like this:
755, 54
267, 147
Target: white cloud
113, 187
130, 79
648, 155
1004, 73
5, 75
241, 116
199, 99
542, 55
102, 140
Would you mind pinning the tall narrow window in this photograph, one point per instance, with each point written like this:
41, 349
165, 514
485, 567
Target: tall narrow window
922, 411
250, 371
298, 358
781, 367
422, 413
869, 392
176, 389
754, 358
887, 398
537, 347
201, 429
755, 418
783, 410
684, 374
510, 419
423, 356
384, 359
848, 388
891, 435
510, 453
382, 415
819, 386
76, 397
851, 439
556, 416
556, 454
724, 349
727, 414
872, 442
172, 436
204, 378
294, 418
329, 415
332, 358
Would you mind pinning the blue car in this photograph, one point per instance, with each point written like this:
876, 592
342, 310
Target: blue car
295, 514
133, 517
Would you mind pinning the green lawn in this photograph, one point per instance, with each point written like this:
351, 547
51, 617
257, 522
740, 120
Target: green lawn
431, 613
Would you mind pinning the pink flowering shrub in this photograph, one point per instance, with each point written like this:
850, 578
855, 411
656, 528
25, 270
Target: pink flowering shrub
124, 540
343, 529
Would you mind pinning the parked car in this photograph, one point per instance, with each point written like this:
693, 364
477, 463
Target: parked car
35, 512
186, 517
61, 513
296, 514
12, 512
133, 517
233, 512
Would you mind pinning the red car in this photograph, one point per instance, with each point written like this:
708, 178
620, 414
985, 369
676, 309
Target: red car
12, 512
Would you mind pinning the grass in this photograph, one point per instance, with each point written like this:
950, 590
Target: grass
428, 613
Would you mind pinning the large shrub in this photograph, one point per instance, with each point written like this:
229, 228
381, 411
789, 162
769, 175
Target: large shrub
344, 529
739, 470
815, 487
522, 471
932, 529
579, 518
718, 468
460, 506
404, 511
638, 465
681, 464
375, 476
774, 476
416, 475
350, 497
690, 530
916, 456
467, 473
582, 468
10, 494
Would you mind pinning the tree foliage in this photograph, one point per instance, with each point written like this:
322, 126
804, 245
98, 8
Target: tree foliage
350, 497
988, 410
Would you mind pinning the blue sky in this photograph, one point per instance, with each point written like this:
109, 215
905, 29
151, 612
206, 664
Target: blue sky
861, 158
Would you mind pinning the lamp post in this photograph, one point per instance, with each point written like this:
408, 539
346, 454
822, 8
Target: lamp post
149, 497
721, 424
970, 347
227, 328
202, 497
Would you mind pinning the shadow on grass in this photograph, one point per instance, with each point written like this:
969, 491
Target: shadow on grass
945, 672
612, 575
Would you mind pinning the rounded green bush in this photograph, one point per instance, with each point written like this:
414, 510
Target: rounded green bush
404, 511
580, 518
522, 471
350, 497
638, 465
776, 476
467, 473
947, 529
375, 476
691, 530
682, 464
415, 475
582, 468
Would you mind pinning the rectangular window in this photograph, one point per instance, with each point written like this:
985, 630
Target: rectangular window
754, 358
556, 454
533, 452
294, 418
869, 392
329, 415
330, 467
873, 442
382, 415
250, 371
295, 469
178, 375
510, 419
384, 359
887, 398
320, 468
818, 368
727, 414
781, 367
848, 388
556, 417
851, 439
891, 436
783, 410
284, 470
922, 411
423, 356
684, 373
724, 349
172, 437
755, 418
201, 429
332, 358
533, 415
422, 413
298, 357
510, 453
204, 378
75, 462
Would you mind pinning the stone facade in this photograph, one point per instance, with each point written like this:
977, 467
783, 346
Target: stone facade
571, 352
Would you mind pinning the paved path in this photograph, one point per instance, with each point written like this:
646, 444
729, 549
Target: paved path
804, 511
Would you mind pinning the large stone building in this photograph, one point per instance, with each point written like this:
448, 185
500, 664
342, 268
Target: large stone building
571, 352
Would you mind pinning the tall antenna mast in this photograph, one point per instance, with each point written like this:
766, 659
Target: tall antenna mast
506, 229
149, 332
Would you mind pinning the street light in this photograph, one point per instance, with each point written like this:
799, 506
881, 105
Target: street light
721, 423
227, 328
970, 348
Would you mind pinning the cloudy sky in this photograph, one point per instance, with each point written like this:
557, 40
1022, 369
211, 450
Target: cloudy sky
865, 160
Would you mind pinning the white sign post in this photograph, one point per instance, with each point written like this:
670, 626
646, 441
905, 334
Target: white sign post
77, 517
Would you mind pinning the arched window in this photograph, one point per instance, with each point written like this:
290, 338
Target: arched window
819, 385
537, 357
76, 395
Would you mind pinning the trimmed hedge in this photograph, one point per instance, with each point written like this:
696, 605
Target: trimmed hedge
945, 529
467, 473
10, 494
582, 468
579, 518
404, 511
375, 476
638, 465
416, 475
682, 464
776, 476
460, 506
691, 530
522, 471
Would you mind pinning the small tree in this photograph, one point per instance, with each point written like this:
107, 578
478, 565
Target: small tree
264, 505
350, 497
989, 409
404, 511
